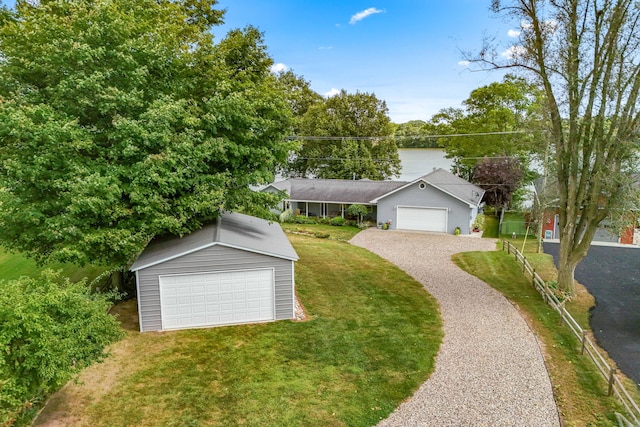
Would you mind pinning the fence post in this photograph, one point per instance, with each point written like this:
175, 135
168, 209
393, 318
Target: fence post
524, 260
533, 277
612, 374
584, 342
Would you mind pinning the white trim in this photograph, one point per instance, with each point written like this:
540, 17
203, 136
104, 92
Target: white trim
293, 290
375, 201
272, 186
273, 291
227, 245
330, 202
396, 190
208, 245
138, 302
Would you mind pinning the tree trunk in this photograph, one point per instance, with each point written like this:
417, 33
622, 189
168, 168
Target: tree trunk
566, 269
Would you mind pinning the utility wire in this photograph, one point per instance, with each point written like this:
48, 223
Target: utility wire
365, 138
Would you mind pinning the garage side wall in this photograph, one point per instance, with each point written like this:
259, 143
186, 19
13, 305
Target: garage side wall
459, 214
212, 259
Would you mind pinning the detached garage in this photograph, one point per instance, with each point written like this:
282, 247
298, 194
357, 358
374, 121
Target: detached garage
238, 270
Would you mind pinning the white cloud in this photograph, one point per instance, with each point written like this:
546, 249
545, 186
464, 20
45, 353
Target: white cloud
325, 47
514, 52
513, 33
361, 15
276, 68
550, 26
464, 63
332, 92
526, 25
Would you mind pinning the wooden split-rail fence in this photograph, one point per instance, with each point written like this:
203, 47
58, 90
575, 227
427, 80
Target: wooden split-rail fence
588, 347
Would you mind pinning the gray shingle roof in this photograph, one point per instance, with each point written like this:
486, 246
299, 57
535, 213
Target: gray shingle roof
232, 230
369, 192
336, 190
454, 185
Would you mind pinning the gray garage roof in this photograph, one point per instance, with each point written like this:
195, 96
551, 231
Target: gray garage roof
448, 183
232, 229
336, 190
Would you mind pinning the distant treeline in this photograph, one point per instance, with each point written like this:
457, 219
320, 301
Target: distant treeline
415, 134
417, 142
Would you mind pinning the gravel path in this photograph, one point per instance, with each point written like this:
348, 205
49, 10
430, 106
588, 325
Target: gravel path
490, 370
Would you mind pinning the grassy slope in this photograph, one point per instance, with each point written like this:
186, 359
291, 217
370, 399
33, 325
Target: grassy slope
370, 341
579, 389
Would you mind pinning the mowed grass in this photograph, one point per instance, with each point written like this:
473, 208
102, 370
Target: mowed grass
579, 389
344, 232
14, 265
369, 341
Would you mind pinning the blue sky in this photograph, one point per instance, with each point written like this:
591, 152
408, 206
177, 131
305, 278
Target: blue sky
407, 52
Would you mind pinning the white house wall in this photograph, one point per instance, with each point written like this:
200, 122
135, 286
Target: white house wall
215, 258
459, 215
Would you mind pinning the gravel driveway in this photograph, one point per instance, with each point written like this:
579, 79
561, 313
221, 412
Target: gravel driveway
490, 370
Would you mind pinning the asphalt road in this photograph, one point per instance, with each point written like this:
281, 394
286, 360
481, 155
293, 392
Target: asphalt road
612, 276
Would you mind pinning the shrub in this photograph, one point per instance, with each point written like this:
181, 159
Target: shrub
337, 221
302, 219
321, 235
51, 330
358, 211
287, 216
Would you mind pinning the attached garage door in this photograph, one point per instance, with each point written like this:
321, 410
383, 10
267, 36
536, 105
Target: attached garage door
423, 219
208, 299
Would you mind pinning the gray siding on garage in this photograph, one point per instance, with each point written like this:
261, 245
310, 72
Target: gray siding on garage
212, 259
459, 214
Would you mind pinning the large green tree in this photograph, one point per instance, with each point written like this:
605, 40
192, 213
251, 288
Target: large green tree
122, 120
299, 96
585, 54
346, 135
501, 115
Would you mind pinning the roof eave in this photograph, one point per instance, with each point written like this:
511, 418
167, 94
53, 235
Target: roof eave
289, 258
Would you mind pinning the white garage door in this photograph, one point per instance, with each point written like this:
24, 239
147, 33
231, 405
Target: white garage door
208, 299
423, 219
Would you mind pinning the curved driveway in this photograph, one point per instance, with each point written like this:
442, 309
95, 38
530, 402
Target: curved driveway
490, 370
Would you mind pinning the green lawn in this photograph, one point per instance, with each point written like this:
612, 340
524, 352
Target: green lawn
13, 266
344, 232
579, 389
370, 340
490, 226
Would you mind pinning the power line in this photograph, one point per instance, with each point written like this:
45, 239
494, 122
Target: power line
370, 138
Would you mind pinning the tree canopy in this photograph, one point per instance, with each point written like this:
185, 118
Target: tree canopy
299, 96
503, 115
347, 136
122, 120
585, 55
500, 177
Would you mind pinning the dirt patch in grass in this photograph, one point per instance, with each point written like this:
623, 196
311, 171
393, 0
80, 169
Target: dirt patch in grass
127, 314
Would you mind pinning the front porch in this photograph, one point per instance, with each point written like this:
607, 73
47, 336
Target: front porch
329, 210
